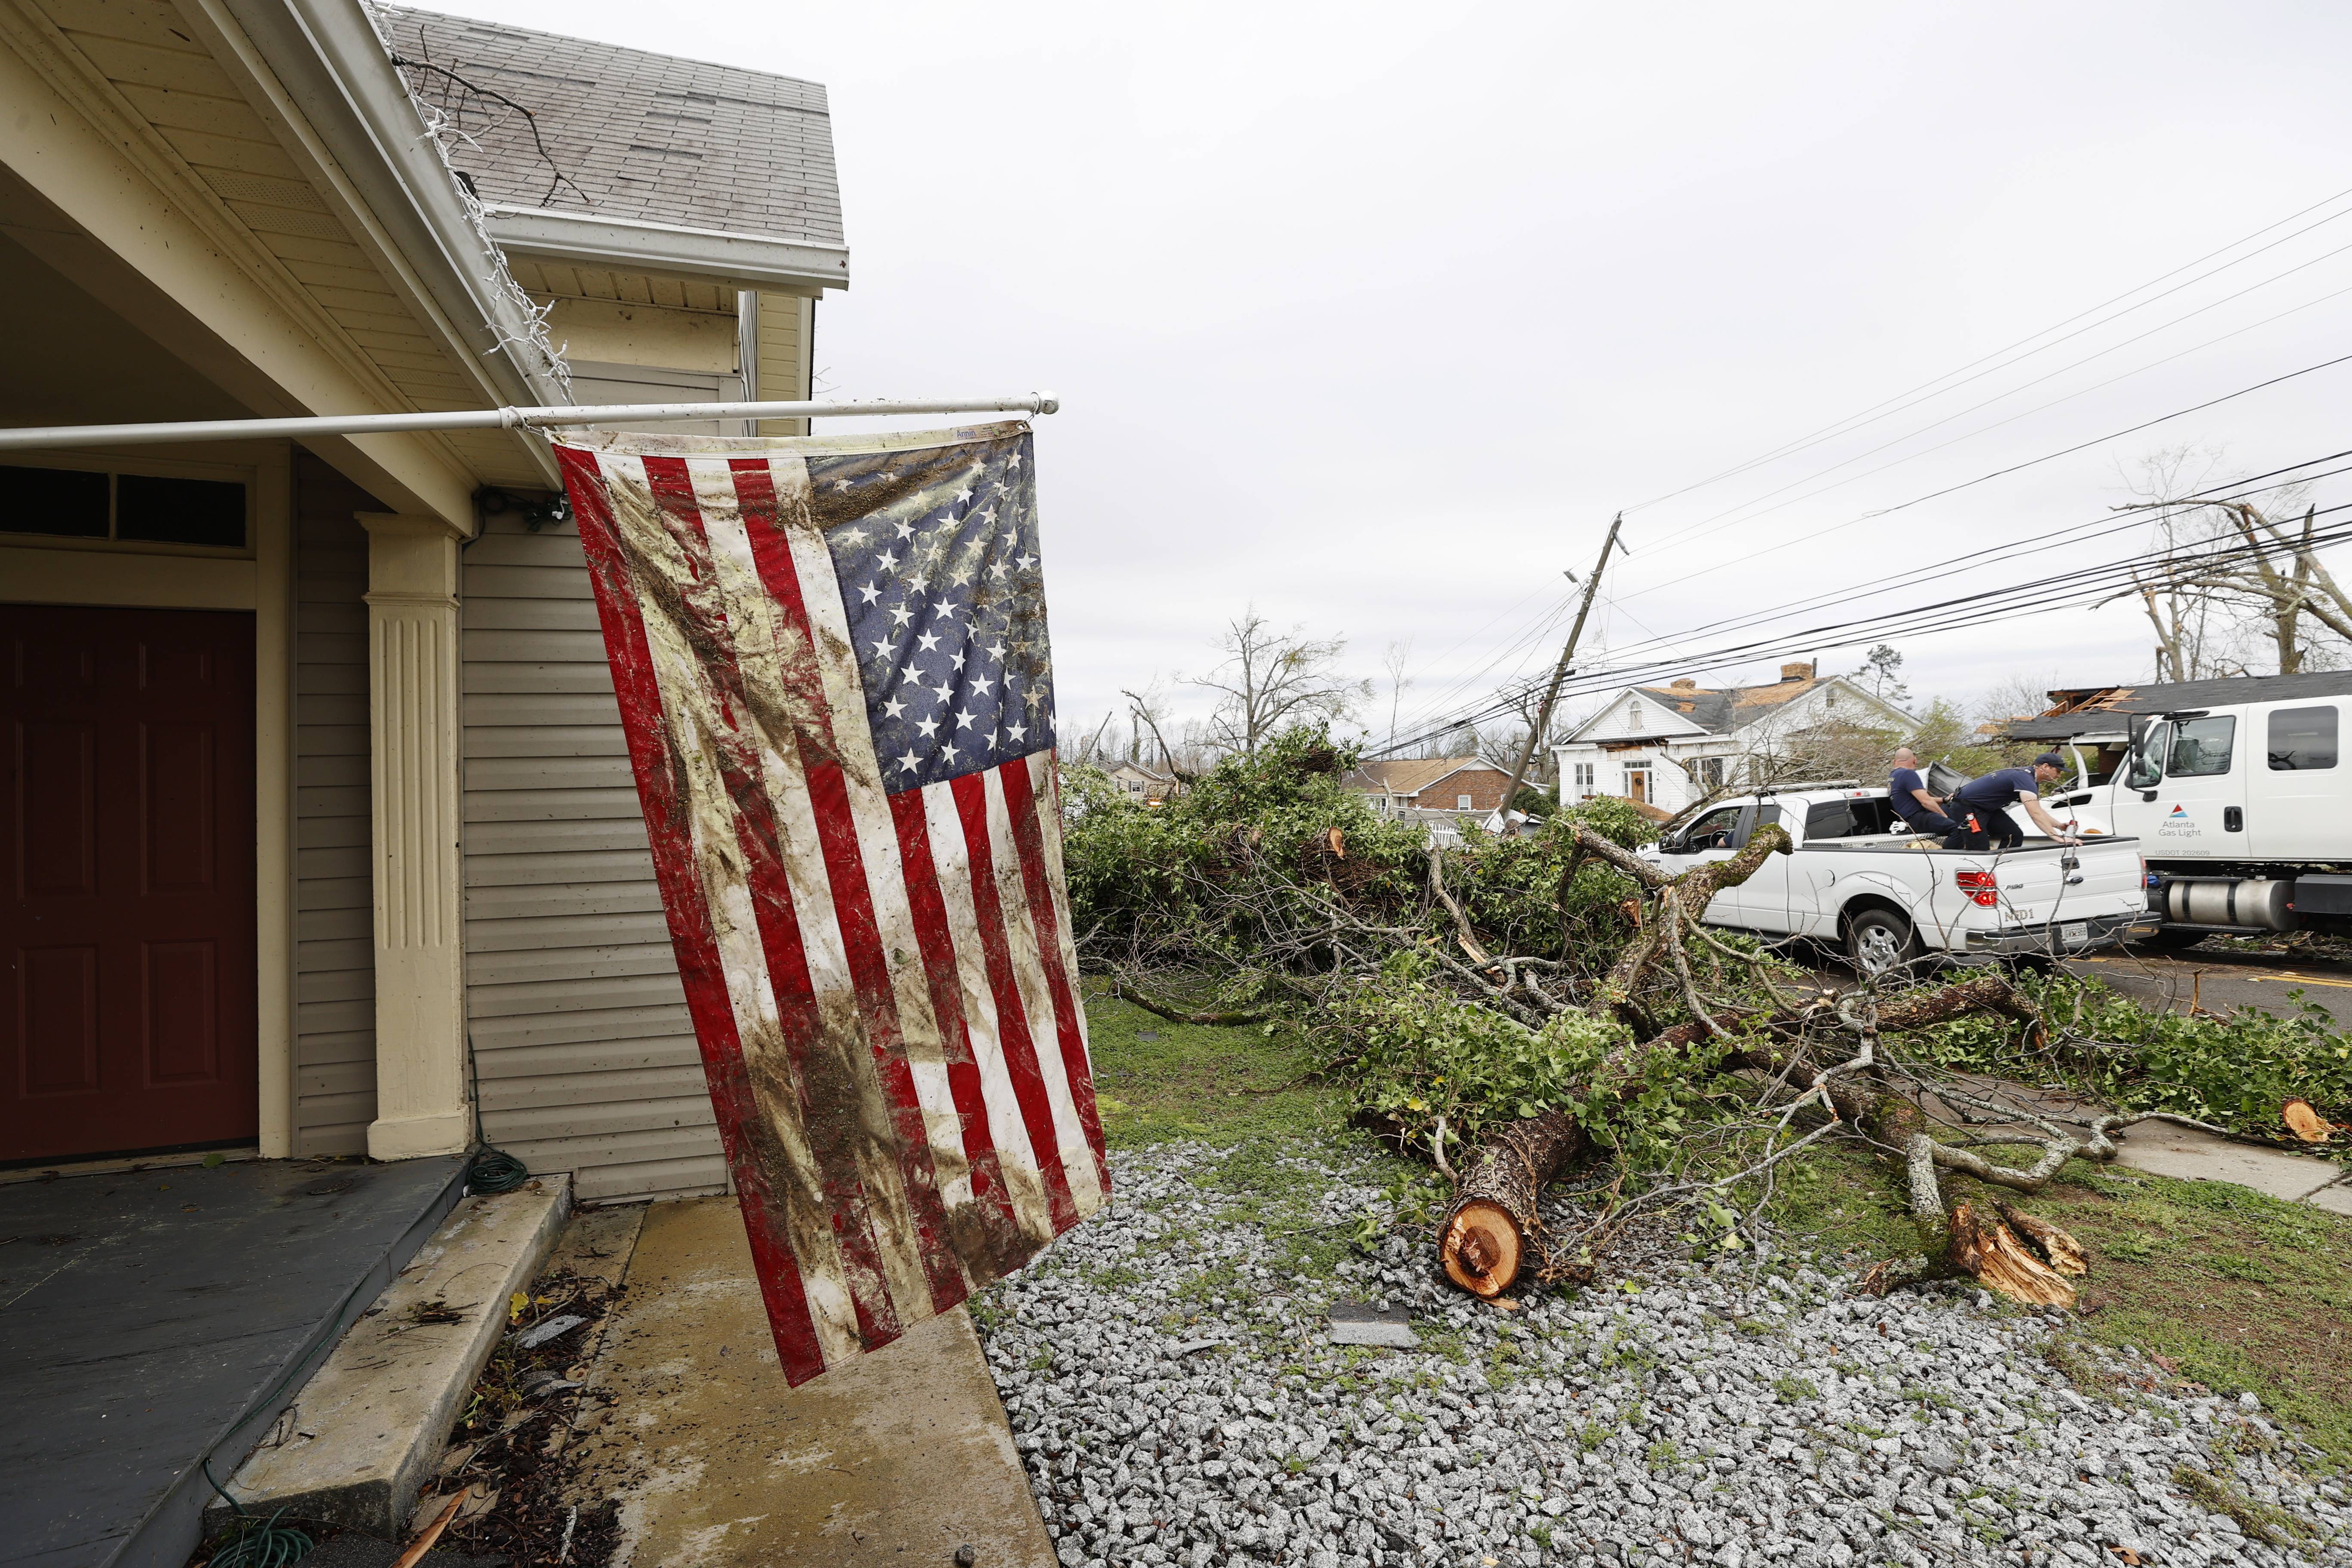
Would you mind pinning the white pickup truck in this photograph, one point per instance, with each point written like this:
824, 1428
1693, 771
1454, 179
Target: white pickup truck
1859, 877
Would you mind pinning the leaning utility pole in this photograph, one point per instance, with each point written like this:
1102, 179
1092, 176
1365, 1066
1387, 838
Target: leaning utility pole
1559, 674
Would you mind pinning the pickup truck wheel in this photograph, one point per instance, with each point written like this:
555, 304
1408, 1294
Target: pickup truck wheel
1879, 939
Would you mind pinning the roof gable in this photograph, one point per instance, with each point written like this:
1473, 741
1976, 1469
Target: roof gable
1665, 711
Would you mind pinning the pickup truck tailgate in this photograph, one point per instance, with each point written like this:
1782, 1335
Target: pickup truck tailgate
2054, 883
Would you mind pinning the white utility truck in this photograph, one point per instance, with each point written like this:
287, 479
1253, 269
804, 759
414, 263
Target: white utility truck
1858, 876
2243, 807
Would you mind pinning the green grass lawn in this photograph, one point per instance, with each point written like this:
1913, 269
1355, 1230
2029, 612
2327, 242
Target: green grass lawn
2236, 1290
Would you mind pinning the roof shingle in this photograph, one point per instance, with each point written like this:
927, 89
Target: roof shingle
627, 134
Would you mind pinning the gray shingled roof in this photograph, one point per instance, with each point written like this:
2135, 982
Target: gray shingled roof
641, 136
2115, 711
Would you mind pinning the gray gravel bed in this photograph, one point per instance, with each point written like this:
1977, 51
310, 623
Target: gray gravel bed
1174, 1397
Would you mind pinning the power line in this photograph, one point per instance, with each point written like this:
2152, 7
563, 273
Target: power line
1725, 518
1984, 606
1841, 427
2071, 534
2002, 473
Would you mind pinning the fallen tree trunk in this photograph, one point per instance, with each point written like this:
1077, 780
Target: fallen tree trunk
1494, 1227
1485, 1237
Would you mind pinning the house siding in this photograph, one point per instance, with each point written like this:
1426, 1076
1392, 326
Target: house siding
334, 946
585, 1056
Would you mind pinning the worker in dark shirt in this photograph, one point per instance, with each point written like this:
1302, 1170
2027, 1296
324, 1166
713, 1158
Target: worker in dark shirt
1909, 793
1987, 799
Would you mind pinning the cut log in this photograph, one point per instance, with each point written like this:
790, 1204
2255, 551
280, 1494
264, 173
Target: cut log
1488, 1235
2304, 1122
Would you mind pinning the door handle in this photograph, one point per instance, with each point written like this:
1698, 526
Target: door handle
2234, 819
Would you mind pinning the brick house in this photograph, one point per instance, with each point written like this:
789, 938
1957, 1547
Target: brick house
1430, 783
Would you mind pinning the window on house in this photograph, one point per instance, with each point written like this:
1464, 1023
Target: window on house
1633, 714
148, 509
1461, 802
1584, 779
1710, 772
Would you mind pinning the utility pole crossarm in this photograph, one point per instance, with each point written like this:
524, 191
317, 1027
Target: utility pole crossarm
1559, 674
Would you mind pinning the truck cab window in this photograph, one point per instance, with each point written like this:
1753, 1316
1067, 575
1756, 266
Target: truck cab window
1715, 830
2201, 747
2146, 769
2301, 739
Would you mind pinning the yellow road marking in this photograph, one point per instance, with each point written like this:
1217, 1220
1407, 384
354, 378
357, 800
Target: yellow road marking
2236, 973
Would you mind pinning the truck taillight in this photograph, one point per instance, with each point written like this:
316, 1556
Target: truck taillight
1979, 886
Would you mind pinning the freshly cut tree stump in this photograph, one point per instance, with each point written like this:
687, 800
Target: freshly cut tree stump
1487, 1235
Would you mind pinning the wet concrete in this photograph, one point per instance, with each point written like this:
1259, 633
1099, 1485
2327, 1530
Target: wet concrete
899, 1458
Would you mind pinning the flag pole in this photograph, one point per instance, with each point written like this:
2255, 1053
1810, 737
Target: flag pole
55, 436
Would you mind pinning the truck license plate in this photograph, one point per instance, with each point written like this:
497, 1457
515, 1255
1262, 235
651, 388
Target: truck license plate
2075, 935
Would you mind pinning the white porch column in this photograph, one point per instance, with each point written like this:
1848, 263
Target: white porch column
420, 1002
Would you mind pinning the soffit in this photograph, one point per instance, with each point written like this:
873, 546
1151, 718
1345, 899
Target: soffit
136, 68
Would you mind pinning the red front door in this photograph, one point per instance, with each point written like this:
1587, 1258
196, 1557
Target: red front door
126, 881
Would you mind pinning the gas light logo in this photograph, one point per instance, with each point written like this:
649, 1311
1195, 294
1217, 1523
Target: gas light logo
2177, 824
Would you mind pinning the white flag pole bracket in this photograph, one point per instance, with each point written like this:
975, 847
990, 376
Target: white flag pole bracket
54, 435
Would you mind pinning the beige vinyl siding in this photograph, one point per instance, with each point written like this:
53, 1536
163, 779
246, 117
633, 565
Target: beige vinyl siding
334, 963
586, 1056
787, 329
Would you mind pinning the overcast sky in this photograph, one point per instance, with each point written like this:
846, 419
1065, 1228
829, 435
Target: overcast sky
1371, 316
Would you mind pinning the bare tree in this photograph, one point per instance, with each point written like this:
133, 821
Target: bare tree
1394, 661
2226, 575
1269, 680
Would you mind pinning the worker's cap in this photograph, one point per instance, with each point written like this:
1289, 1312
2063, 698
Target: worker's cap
2051, 760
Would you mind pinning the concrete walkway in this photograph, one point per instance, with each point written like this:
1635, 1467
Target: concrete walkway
901, 1458
2167, 1151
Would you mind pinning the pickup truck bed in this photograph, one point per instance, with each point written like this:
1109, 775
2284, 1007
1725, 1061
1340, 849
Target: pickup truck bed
1893, 897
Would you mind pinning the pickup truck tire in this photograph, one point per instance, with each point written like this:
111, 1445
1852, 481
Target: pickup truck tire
1879, 939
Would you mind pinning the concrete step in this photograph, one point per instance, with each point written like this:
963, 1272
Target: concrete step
368, 1427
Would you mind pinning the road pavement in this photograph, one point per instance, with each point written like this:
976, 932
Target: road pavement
2220, 981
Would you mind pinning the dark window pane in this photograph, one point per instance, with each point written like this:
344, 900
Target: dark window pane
2202, 748
2302, 738
64, 502
1828, 819
179, 511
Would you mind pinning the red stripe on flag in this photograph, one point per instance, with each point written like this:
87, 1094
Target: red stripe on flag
830, 1128
853, 900
938, 950
1028, 841
971, 795
691, 934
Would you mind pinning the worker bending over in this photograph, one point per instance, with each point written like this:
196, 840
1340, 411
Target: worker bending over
1987, 797
1909, 793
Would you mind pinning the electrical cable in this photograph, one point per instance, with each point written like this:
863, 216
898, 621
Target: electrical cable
1842, 426
1984, 607
490, 1170
1729, 517
2072, 534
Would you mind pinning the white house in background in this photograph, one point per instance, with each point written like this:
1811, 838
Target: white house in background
1668, 745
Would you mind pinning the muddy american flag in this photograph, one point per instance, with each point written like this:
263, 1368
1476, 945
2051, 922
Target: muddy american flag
833, 673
